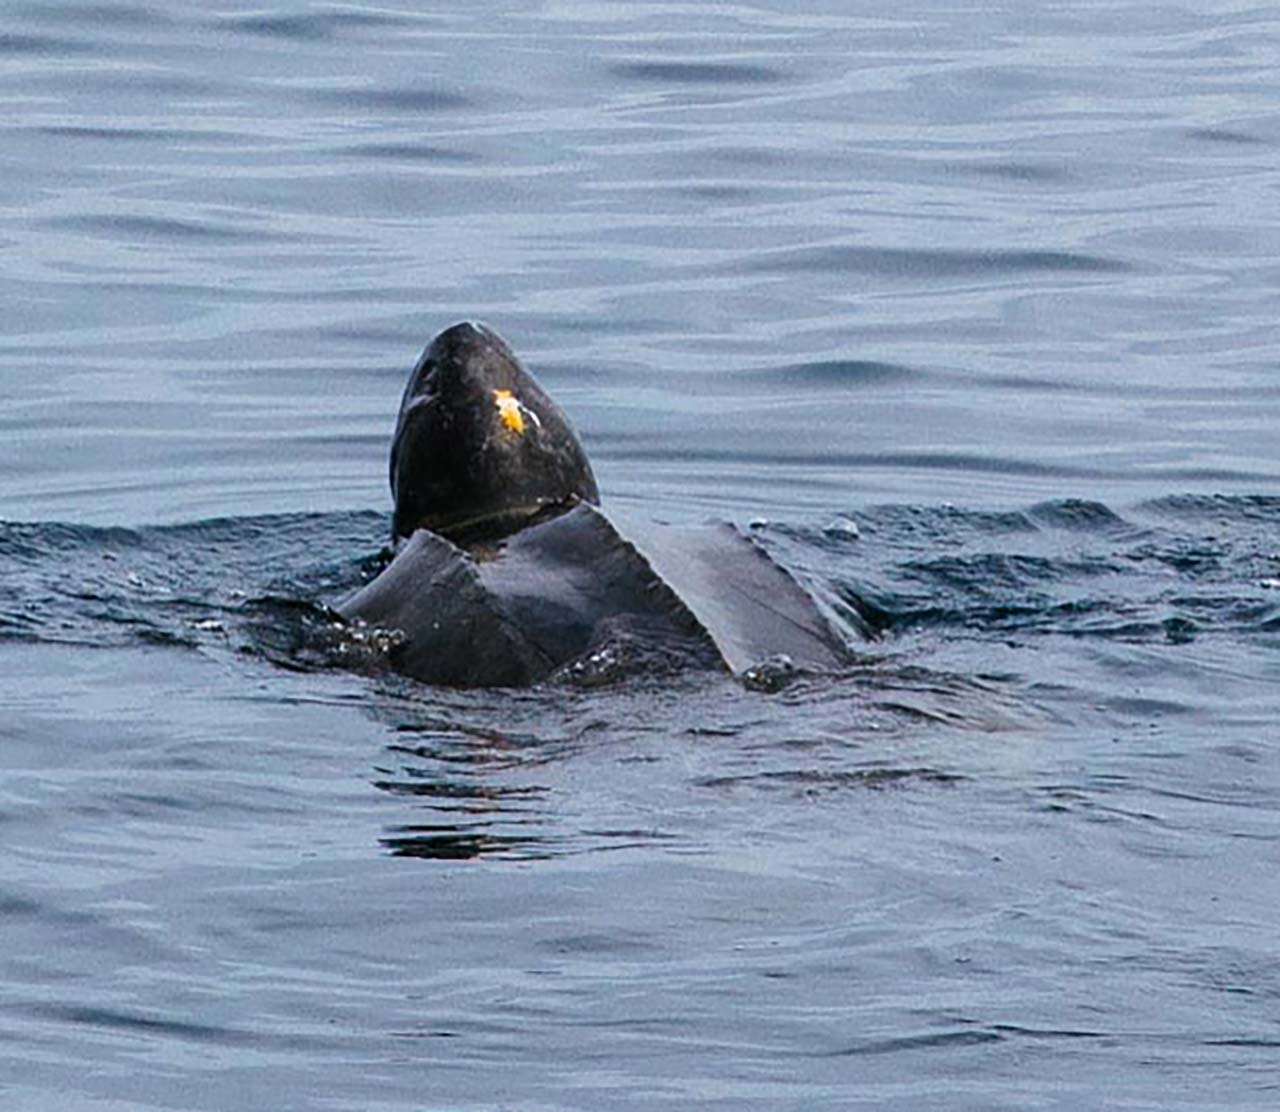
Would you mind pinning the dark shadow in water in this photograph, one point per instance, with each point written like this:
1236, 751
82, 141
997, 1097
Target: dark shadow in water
157, 229
932, 1041
91, 14
830, 372
1023, 173
697, 73
175, 136
134, 1023
315, 25
1225, 135
40, 46
409, 152
404, 99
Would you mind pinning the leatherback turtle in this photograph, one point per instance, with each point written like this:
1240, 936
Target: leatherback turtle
506, 571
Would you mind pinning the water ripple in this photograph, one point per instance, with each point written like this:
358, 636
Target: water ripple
987, 289
930, 264
149, 229
120, 1020
18, 45
425, 152
407, 99
862, 373
315, 25
698, 73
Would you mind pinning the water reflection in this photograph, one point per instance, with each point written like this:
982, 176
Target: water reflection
461, 843
550, 773
464, 783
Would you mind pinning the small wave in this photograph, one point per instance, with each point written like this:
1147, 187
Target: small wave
932, 1041
1071, 567
1225, 509
184, 584
1078, 515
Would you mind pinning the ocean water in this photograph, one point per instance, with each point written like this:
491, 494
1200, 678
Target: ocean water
967, 311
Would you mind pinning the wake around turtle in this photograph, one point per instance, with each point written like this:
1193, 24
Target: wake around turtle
506, 571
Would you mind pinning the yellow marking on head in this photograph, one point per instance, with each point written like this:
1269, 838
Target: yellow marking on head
510, 410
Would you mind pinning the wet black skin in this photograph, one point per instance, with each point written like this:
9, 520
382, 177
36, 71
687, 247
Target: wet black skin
457, 467
507, 573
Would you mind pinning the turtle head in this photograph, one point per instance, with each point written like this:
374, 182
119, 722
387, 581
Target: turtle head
479, 447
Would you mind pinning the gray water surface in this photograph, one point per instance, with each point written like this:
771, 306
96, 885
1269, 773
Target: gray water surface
970, 310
